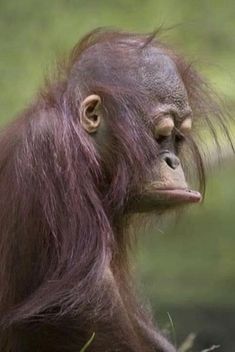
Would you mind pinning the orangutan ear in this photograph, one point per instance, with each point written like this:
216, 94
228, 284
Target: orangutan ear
90, 113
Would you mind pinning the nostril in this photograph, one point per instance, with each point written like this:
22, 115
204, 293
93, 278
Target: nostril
172, 161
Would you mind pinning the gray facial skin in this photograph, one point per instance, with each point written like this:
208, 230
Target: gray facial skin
168, 100
160, 77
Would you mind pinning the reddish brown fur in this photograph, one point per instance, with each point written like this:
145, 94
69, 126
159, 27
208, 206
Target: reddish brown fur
64, 245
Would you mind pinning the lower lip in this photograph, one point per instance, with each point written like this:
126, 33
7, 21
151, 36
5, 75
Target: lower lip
177, 196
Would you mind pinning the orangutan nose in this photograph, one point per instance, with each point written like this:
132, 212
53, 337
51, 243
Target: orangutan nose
171, 159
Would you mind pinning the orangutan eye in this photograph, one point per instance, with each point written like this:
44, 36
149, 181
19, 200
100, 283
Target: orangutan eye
179, 139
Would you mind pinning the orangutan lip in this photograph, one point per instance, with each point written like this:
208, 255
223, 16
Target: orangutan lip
178, 195
162, 198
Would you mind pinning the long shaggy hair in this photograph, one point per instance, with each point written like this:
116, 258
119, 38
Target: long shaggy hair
63, 204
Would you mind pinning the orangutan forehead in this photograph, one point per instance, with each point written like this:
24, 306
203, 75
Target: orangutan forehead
127, 67
160, 76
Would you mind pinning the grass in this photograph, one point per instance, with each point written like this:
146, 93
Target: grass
88, 343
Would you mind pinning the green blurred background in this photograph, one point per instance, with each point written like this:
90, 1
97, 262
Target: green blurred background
187, 268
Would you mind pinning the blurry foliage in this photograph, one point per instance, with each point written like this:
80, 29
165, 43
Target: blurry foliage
190, 269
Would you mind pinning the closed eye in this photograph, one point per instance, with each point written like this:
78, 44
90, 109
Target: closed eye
179, 141
179, 138
161, 139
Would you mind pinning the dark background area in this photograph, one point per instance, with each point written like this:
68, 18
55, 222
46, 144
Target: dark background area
187, 267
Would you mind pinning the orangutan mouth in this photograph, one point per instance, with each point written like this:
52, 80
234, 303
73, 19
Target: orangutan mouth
176, 196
